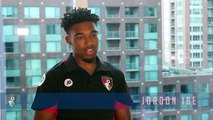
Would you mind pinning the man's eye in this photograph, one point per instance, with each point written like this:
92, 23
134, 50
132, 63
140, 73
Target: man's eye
79, 37
94, 34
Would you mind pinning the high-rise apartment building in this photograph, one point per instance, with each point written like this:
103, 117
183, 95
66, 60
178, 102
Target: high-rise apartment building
186, 32
210, 34
130, 39
2, 77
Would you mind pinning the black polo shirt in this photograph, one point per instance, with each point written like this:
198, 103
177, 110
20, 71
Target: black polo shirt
79, 95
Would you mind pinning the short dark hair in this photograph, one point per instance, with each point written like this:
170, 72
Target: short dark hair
77, 16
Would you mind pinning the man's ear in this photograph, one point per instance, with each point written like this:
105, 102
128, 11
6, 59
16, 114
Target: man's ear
68, 39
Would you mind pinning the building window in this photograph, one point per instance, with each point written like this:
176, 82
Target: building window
112, 12
132, 76
9, 12
30, 99
11, 47
186, 117
52, 12
169, 90
114, 60
150, 11
151, 91
132, 30
31, 12
10, 38
33, 72
203, 95
13, 73
32, 41
135, 94
95, 10
51, 62
151, 118
203, 116
53, 38
170, 117
132, 62
113, 30
53, 46
150, 27
151, 68
68, 8
186, 91
13, 115
113, 44
131, 12
150, 36
53, 29
132, 44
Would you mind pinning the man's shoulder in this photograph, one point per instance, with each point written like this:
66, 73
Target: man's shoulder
57, 68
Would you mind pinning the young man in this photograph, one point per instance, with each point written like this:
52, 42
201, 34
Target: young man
82, 87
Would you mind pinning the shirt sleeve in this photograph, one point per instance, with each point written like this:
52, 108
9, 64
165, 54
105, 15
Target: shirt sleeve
46, 94
122, 94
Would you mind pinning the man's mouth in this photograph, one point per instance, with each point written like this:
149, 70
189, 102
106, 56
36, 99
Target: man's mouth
90, 51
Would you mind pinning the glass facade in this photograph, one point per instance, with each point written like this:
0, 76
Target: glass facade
52, 12
33, 72
31, 12
9, 12
151, 68
150, 36
53, 38
32, 41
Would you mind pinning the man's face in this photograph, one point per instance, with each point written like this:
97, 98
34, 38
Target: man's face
83, 37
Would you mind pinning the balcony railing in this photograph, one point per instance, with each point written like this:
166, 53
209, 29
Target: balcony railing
136, 79
133, 48
131, 15
113, 48
132, 34
130, 66
112, 15
113, 34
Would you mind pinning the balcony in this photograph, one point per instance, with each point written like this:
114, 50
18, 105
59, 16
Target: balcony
136, 79
210, 4
132, 34
132, 66
131, 12
113, 34
112, 12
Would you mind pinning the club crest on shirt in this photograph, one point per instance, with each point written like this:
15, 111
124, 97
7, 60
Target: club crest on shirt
107, 82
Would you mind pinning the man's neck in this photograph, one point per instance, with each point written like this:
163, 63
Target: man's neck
89, 67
